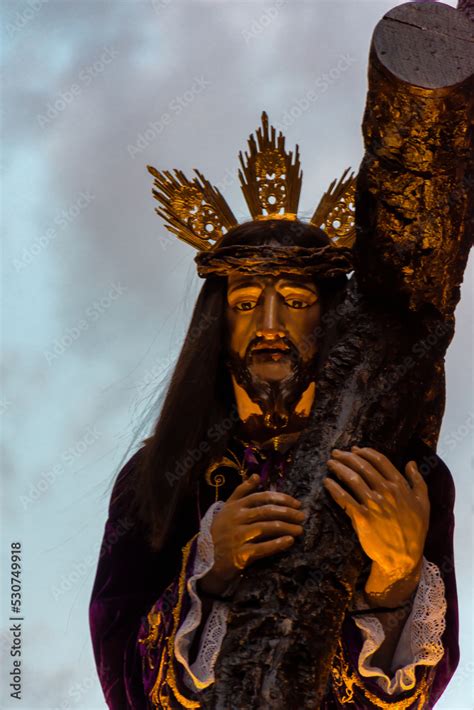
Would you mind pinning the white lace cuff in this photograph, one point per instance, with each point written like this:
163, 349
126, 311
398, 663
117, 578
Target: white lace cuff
420, 641
200, 674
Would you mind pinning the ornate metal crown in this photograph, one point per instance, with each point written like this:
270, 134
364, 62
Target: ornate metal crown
196, 211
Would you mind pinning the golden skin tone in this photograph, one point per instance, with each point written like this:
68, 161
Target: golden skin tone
388, 511
270, 309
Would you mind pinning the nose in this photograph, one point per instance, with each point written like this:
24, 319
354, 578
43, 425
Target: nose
269, 324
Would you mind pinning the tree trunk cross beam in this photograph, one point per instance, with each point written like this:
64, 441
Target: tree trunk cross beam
383, 379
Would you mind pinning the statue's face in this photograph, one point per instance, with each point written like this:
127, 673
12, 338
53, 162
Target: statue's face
271, 323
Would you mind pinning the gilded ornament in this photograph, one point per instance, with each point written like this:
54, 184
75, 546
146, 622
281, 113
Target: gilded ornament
270, 177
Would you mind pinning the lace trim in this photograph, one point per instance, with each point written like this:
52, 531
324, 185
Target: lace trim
348, 686
200, 674
420, 641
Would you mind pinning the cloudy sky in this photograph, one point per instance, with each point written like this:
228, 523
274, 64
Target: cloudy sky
97, 295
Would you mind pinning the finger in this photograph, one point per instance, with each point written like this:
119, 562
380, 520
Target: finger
264, 497
417, 481
358, 487
364, 468
243, 489
342, 498
273, 512
255, 551
269, 529
380, 463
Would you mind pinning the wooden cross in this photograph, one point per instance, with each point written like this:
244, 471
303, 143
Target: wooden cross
383, 380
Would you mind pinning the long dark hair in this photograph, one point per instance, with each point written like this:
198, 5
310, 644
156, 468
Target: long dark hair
199, 411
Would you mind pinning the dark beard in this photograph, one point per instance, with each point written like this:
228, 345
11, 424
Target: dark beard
278, 398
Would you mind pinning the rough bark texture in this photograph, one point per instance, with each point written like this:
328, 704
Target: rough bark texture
383, 379
467, 6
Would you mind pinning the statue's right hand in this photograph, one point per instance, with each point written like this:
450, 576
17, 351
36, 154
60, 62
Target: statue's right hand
250, 525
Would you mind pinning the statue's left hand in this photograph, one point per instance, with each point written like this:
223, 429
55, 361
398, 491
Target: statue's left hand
389, 512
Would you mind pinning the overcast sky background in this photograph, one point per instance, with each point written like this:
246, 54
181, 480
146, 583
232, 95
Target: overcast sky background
97, 294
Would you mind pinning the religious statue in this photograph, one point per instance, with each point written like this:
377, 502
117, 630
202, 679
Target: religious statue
284, 538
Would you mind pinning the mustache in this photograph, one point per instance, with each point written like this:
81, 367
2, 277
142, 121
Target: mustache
276, 399
282, 344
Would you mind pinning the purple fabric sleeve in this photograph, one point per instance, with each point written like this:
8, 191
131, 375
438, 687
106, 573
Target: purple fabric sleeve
162, 674
138, 602
130, 578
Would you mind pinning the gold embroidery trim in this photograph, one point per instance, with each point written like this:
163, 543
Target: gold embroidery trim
216, 480
344, 683
154, 623
156, 695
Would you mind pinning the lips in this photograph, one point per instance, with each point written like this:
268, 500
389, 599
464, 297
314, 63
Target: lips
274, 347
270, 351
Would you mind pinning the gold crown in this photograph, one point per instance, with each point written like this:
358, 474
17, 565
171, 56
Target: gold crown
196, 211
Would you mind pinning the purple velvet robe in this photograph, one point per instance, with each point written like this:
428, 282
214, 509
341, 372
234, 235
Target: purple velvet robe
139, 601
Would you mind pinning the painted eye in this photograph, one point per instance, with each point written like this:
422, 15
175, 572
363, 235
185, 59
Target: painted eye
245, 305
296, 303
